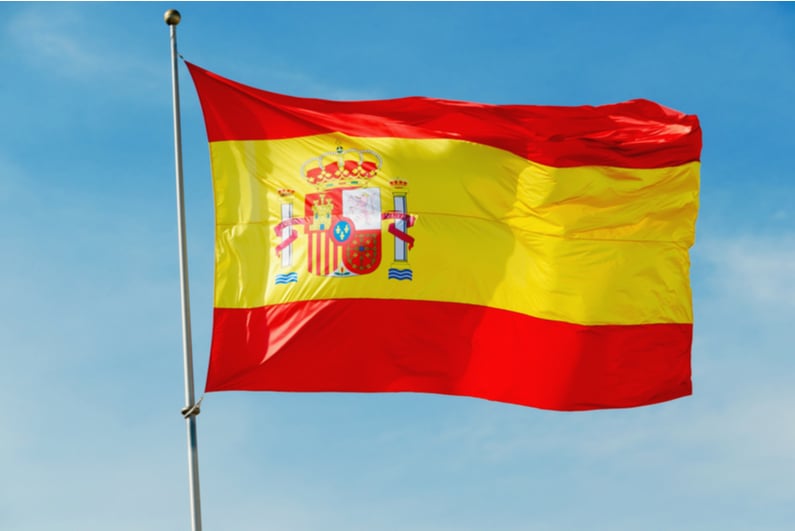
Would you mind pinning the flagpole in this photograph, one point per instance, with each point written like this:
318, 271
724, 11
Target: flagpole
172, 18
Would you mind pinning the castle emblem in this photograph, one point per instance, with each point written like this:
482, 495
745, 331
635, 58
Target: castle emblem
342, 219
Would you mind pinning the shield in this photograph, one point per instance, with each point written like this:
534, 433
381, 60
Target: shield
344, 231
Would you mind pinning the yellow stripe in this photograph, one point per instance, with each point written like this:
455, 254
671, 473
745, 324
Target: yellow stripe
588, 245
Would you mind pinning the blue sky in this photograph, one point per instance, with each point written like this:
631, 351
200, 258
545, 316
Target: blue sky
91, 385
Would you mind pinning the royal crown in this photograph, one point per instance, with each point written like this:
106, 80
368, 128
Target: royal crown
343, 167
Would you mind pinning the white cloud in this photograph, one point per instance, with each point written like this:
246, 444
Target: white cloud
753, 269
67, 43
10, 175
273, 71
55, 41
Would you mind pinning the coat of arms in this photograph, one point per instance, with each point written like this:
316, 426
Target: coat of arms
342, 218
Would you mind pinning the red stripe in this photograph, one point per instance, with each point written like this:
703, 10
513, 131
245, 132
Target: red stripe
327, 255
446, 348
318, 256
633, 134
310, 249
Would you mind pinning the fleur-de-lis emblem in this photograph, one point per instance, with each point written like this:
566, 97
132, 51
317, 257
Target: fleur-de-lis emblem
342, 230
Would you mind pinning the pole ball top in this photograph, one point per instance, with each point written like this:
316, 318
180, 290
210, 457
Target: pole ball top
172, 17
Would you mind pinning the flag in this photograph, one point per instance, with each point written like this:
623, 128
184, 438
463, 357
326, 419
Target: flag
534, 255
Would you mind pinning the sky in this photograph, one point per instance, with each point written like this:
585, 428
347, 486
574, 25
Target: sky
91, 385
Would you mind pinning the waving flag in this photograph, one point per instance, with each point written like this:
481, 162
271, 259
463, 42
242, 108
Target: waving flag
524, 254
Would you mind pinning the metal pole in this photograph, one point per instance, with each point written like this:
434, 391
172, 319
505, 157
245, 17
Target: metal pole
172, 18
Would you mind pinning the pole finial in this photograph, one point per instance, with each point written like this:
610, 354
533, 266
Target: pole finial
172, 17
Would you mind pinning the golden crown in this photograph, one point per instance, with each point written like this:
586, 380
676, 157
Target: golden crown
343, 167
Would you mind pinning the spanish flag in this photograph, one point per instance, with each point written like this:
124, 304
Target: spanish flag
533, 255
